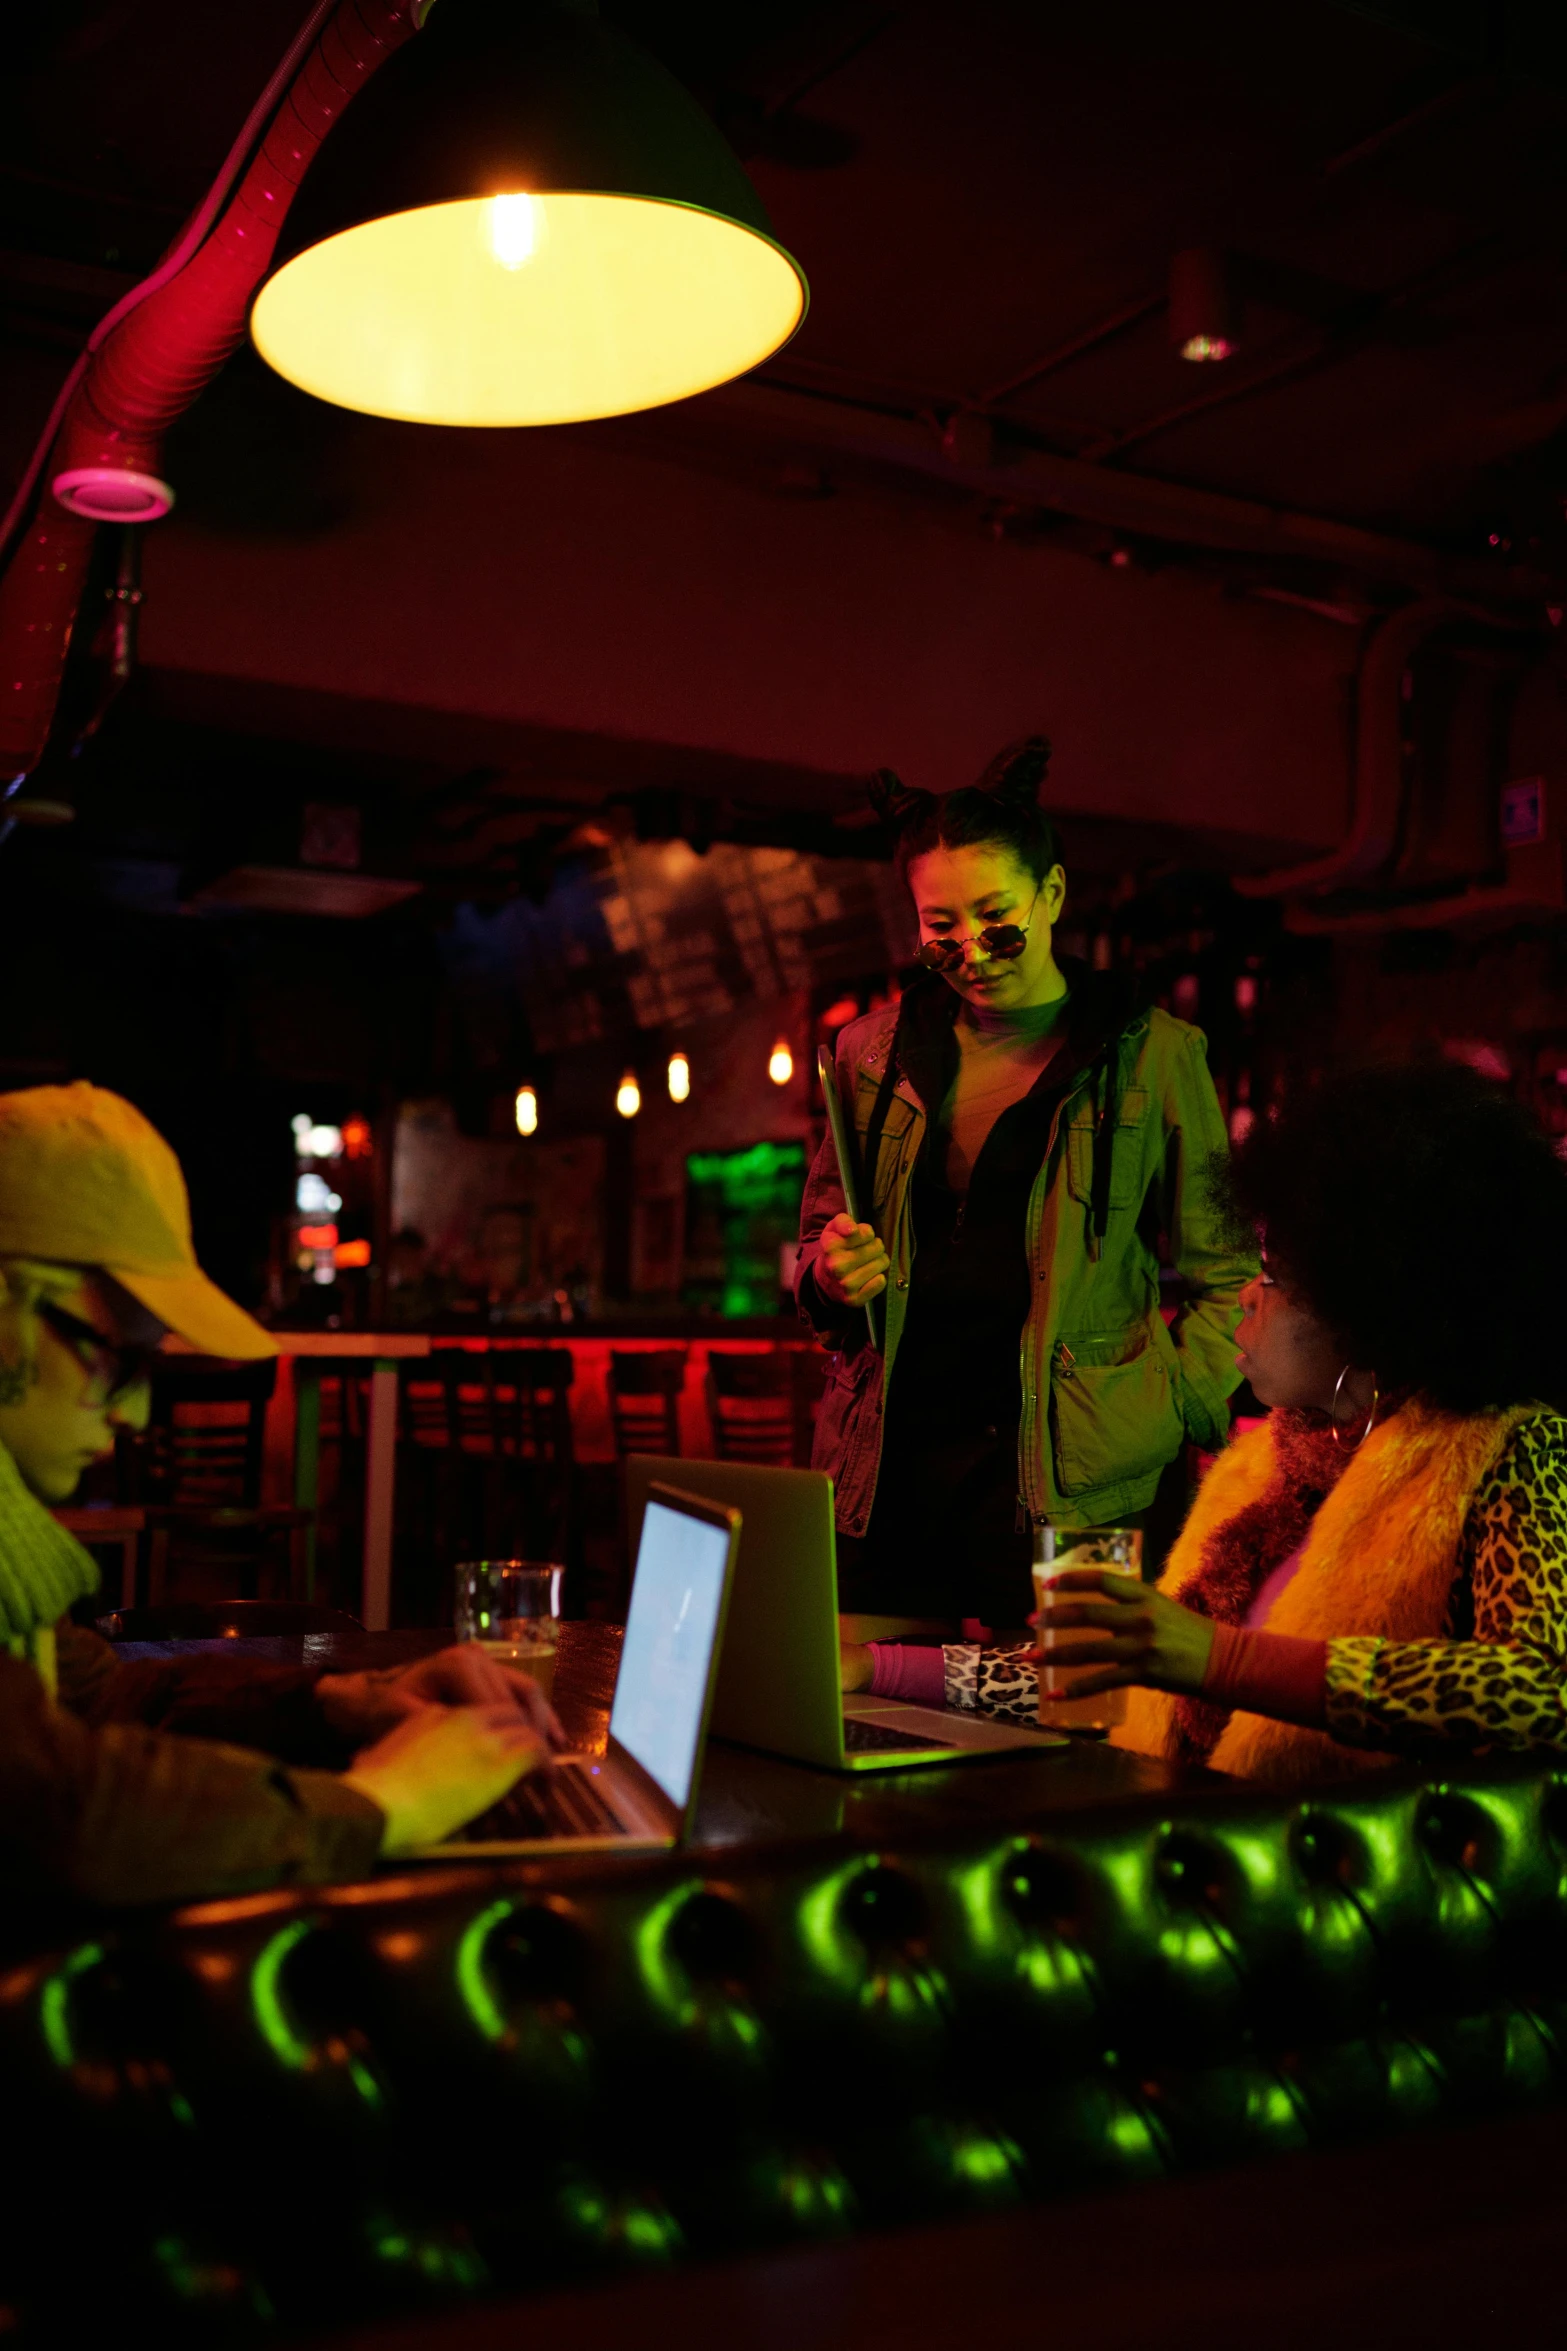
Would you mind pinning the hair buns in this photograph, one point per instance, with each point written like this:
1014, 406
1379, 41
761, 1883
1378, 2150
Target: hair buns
895, 802
1015, 774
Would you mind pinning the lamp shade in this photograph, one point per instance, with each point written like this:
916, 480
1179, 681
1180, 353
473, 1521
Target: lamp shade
524, 220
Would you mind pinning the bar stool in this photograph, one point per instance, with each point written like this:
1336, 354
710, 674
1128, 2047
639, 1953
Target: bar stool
645, 1385
750, 1398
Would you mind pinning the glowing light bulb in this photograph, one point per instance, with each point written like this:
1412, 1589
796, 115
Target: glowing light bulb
513, 224
1201, 347
628, 1095
780, 1064
527, 1111
679, 1078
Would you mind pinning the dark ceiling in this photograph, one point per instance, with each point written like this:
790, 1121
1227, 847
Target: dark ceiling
986, 199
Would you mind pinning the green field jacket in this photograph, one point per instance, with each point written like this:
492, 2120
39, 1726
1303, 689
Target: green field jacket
1110, 1393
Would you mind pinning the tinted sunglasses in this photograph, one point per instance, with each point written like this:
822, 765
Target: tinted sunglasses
1005, 941
114, 1369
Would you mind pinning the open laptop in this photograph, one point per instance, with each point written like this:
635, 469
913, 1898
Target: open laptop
779, 1680
641, 1794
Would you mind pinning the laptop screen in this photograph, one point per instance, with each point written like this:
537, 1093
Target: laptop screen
676, 1595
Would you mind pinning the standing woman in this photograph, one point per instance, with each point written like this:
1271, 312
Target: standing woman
1027, 1138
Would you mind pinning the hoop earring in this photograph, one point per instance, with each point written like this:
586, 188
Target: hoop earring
1353, 1444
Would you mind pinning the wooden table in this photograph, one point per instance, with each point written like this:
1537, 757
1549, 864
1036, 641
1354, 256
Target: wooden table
748, 1798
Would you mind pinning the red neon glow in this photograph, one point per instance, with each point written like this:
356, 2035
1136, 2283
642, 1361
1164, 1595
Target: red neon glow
351, 1253
357, 1140
318, 1236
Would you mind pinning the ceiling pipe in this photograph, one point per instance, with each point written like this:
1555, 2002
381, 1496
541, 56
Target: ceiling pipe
1487, 903
148, 370
1140, 504
1379, 762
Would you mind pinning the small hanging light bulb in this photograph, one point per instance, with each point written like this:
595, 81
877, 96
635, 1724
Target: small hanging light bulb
527, 1111
513, 224
628, 1095
679, 1078
780, 1064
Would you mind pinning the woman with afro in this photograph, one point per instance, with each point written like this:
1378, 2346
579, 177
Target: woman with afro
1380, 1567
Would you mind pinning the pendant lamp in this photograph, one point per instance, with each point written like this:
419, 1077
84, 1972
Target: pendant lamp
523, 220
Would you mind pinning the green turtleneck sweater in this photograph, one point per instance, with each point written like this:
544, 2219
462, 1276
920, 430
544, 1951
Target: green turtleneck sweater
165, 1782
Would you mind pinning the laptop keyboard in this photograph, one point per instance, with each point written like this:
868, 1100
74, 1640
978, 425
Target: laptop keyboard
547, 1804
861, 1737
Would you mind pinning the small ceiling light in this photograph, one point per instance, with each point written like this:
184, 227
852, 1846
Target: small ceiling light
679, 1078
527, 1111
1202, 324
780, 1063
628, 1095
314, 1142
524, 220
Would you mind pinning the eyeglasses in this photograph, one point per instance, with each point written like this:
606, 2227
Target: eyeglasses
1003, 940
114, 1369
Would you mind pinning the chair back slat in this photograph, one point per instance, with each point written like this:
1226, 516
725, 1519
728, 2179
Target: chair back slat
424, 1405
206, 1431
530, 1405
511, 1401
645, 1385
750, 1401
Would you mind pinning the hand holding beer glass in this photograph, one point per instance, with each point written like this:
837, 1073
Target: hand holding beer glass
1058, 1550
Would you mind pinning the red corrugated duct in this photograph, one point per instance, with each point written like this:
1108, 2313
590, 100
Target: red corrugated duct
164, 344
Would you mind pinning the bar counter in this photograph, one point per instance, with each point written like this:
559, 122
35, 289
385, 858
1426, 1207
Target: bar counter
906, 2012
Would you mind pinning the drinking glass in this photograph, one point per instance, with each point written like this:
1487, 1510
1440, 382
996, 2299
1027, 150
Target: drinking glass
1056, 1549
511, 1607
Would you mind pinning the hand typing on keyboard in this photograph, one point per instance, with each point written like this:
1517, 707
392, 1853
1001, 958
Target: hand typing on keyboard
565, 1802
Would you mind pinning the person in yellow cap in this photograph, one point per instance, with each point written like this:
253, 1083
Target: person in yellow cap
149, 1783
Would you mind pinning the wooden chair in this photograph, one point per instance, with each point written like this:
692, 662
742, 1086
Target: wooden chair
198, 1470
507, 1410
750, 1398
530, 1423
645, 1385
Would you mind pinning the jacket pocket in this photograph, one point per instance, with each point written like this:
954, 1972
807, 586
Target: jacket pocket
894, 1147
1111, 1421
1128, 1180
845, 1413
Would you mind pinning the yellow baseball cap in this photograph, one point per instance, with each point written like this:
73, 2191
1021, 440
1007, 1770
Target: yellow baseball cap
86, 1180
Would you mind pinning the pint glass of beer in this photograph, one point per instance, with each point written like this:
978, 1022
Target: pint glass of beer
1056, 1549
511, 1607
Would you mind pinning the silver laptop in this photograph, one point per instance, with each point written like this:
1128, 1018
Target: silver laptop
779, 1685
639, 1796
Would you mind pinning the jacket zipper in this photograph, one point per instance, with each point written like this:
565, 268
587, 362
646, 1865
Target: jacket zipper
1033, 1404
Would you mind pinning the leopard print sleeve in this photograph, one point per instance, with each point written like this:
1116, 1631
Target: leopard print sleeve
992, 1681
1506, 1686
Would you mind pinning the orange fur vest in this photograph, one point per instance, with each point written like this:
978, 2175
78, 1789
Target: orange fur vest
1380, 1557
